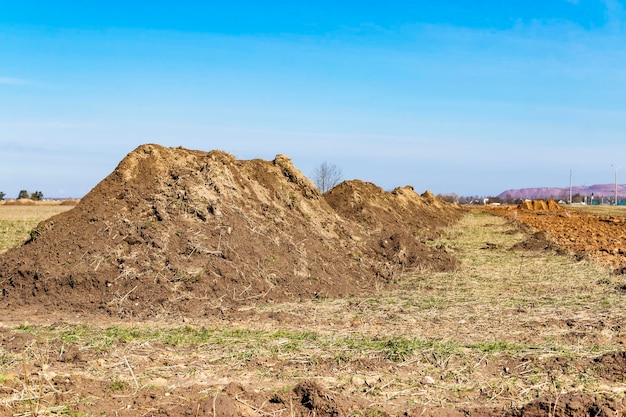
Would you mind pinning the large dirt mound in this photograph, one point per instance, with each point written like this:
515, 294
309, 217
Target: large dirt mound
394, 220
177, 230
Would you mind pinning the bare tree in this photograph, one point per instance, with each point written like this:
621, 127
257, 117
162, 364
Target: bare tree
326, 176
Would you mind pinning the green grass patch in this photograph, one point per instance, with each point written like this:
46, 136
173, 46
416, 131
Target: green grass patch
500, 346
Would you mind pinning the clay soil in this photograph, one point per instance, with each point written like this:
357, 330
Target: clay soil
191, 283
584, 232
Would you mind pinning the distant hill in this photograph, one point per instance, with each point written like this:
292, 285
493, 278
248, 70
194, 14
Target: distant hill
598, 191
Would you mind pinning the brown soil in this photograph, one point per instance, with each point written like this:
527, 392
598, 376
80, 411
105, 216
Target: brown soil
175, 231
174, 234
600, 238
84, 377
393, 221
543, 205
570, 405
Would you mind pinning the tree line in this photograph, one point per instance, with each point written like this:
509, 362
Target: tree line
35, 195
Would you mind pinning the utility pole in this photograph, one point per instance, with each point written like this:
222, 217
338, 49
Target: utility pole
616, 168
616, 186
570, 186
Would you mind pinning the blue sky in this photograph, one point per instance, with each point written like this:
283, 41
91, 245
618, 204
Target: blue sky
466, 97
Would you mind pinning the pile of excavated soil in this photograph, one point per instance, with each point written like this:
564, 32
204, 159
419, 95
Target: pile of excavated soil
540, 205
393, 221
188, 232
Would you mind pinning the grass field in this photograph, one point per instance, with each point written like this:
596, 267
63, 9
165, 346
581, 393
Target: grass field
16, 221
600, 209
506, 327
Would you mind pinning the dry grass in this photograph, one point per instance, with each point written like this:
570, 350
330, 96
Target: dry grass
16, 221
505, 328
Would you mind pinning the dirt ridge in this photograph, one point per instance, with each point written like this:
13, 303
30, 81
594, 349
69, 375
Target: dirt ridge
181, 231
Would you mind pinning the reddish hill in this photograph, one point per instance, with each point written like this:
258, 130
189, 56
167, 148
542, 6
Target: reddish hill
186, 232
542, 193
